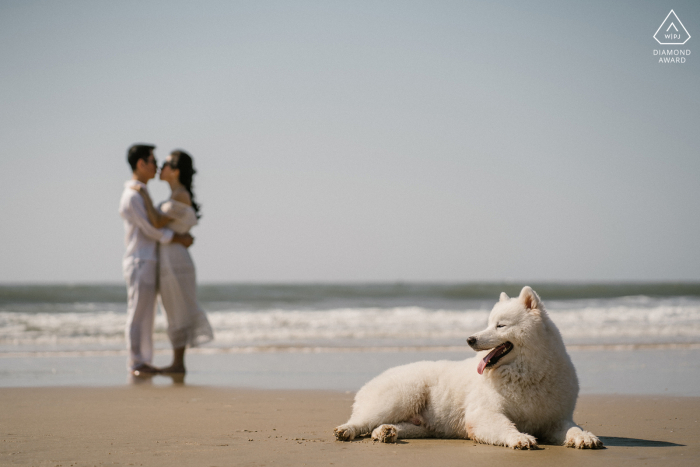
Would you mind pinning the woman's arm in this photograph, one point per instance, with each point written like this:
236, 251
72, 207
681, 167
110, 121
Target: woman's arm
157, 218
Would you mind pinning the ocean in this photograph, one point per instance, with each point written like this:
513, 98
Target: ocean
622, 338
60, 319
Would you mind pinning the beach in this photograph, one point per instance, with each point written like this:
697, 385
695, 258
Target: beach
187, 425
287, 361
265, 408
672, 370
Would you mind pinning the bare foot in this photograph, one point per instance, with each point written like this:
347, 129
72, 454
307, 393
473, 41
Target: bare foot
173, 370
143, 369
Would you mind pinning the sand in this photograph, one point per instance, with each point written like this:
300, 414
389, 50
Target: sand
670, 371
205, 426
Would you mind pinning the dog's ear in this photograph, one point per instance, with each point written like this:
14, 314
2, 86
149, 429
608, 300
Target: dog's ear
504, 297
529, 298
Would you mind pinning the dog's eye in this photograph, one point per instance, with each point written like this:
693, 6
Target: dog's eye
500, 325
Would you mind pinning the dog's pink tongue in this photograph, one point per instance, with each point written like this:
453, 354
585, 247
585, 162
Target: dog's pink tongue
480, 368
485, 361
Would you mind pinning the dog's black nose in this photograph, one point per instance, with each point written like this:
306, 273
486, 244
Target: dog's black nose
471, 340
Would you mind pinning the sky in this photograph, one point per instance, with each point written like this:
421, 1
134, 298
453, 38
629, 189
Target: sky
357, 141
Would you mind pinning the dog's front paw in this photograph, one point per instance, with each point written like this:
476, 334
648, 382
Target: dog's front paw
344, 433
583, 440
385, 434
522, 441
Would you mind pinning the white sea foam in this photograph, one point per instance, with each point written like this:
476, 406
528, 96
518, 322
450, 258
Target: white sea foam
599, 321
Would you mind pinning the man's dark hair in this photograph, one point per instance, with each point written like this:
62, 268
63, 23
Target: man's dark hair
138, 151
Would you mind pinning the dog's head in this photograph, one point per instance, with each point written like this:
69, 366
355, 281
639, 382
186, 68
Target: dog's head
511, 322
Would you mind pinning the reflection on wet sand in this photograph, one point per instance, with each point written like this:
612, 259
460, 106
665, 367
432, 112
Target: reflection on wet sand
138, 379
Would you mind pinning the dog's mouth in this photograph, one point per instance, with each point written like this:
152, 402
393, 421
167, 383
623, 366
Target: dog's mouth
494, 356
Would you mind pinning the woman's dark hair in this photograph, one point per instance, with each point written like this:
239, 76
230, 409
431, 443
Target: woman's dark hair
183, 162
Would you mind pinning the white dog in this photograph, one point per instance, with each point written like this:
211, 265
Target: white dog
521, 388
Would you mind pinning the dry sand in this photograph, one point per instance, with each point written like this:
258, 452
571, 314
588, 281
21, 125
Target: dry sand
202, 426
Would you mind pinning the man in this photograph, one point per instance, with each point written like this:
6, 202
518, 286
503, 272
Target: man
140, 263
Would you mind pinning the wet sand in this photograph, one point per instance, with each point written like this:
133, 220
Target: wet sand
653, 371
204, 426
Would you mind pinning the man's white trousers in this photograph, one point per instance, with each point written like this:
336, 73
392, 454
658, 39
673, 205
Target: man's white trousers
142, 288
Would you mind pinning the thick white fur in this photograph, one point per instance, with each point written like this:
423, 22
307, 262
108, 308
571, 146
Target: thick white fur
529, 395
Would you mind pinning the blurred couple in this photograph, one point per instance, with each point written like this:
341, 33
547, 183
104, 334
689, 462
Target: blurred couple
157, 262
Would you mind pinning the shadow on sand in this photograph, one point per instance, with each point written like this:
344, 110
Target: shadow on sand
608, 441
635, 442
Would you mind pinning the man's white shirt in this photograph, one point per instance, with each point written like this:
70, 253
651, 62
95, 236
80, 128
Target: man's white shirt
141, 237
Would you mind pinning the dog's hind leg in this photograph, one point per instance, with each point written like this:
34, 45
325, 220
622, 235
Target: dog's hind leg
390, 433
362, 423
346, 432
385, 434
382, 401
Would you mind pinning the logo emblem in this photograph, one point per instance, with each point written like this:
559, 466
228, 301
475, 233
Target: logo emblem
671, 31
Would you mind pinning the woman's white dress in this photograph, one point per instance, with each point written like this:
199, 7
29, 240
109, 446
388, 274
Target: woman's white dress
187, 323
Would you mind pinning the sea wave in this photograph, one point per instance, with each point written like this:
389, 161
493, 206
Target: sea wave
611, 321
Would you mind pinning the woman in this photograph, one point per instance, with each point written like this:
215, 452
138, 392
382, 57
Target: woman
187, 322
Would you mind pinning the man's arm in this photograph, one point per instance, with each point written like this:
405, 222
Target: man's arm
183, 239
135, 212
157, 218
